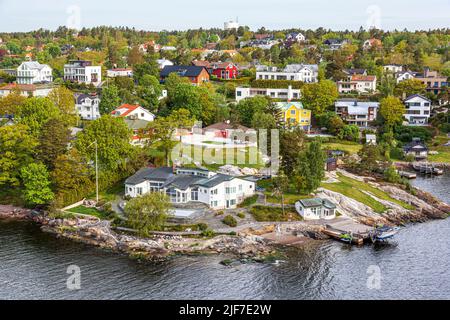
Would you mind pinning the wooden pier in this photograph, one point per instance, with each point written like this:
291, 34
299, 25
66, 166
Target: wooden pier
427, 169
407, 175
347, 230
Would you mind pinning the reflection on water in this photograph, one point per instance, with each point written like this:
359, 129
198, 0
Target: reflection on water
34, 264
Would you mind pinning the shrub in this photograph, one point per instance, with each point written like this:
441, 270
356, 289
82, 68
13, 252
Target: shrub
391, 175
208, 233
241, 215
230, 221
249, 201
202, 226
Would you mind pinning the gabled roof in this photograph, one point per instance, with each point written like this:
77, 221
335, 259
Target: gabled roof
33, 65
215, 180
357, 77
200, 63
79, 98
150, 174
127, 109
286, 105
21, 87
182, 71
182, 181
417, 96
317, 202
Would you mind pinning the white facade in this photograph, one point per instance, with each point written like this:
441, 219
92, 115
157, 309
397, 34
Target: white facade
293, 72
112, 73
360, 84
83, 72
418, 110
297, 37
190, 185
134, 113
316, 209
402, 76
284, 94
87, 106
33, 72
393, 68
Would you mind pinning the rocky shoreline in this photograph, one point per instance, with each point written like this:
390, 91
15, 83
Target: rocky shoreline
250, 243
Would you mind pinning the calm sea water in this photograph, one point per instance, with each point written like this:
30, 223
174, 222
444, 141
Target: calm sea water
33, 265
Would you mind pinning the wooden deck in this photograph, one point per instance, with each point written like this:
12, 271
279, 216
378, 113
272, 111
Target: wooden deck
337, 227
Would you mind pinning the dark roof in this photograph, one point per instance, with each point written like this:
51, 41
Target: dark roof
215, 181
415, 145
182, 71
317, 202
333, 41
356, 71
81, 97
182, 181
153, 174
418, 96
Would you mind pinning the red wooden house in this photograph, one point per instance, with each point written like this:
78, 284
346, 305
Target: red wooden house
225, 70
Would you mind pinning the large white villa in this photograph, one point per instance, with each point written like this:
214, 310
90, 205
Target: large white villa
184, 185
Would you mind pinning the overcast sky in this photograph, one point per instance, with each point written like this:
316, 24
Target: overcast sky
26, 15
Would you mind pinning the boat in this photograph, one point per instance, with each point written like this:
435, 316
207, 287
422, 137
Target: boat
346, 237
383, 233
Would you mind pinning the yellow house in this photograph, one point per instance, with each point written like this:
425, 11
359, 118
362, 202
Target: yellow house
295, 115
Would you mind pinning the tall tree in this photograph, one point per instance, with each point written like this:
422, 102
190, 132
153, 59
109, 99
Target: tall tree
148, 212
392, 110
36, 182
110, 99
53, 141
291, 144
64, 100
35, 112
149, 91
319, 96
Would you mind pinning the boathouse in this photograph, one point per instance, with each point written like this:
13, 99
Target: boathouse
315, 209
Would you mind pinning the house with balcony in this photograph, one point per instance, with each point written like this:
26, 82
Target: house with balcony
433, 80
191, 185
295, 115
275, 93
87, 106
293, 72
358, 83
356, 112
418, 110
32, 72
81, 71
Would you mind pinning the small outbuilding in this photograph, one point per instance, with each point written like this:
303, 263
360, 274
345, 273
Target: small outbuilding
316, 208
416, 148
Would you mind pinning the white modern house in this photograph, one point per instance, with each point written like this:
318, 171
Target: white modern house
83, 72
357, 112
87, 106
358, 83
393, 68
316, 209
293, 72
119, 72
188, 185
32, 72
275, 93
404, 75
418, 110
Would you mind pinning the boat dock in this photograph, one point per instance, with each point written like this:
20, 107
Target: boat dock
426, 168
407, 175
347, 230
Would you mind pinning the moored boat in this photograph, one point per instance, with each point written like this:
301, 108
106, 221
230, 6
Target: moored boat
383, 233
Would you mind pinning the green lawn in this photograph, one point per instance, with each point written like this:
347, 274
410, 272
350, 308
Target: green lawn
444, 152
214, 159
290, 197
88, 211
353, 189
269, 214
346, 146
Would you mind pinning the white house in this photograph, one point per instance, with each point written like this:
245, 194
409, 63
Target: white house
186, 185
119, 72
404, 75
416, 148
315, 209
356, 112
87, 106
163, 63
275, 93
418, 109
133, 112
296, 37
358, 83
27, 90
293, 72
32, 72
393, 68
83, 72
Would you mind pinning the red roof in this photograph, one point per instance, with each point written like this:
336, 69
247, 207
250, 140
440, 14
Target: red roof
130, 108
22, 87
363, 78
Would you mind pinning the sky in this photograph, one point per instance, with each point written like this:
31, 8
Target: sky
27, 15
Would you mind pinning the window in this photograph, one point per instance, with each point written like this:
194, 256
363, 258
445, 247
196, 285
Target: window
240, 187
293, 112
239, 94
139, 191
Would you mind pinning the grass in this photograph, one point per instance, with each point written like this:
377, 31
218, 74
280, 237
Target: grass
111, 193
444, 152
249, 201
88, 211
346, 146
269, 214
354, 189
213, 160
290, 197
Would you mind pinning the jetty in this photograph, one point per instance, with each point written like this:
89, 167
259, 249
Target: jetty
427, 169
348, 231
407, 175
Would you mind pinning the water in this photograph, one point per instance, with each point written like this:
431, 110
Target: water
33, 266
